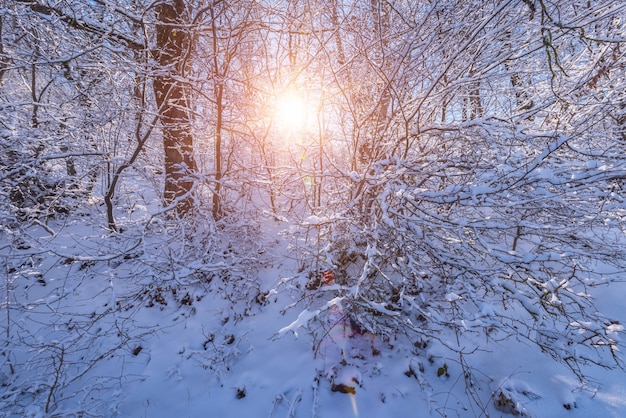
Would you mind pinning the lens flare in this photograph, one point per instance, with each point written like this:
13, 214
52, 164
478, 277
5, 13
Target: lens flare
355, 409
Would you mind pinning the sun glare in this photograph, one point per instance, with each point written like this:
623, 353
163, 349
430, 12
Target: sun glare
290, 111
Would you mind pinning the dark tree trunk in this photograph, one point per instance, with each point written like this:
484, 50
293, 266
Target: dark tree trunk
219, 109
4, 61
172, 47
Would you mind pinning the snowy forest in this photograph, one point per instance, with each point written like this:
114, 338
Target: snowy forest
298, 208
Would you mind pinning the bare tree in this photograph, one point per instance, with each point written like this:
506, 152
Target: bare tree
497, 150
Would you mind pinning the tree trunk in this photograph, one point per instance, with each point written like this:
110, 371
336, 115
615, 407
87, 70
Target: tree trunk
172, 46
4, 61
219, 109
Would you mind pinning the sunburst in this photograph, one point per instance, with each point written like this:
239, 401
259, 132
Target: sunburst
290, 111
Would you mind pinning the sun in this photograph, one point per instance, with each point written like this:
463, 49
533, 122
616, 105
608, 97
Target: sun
290, 111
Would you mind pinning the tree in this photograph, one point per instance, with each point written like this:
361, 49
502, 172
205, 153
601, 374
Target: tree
171, 51
466, 158
173, 55
478, 193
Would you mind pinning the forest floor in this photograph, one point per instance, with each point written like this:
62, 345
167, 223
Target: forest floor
128, 337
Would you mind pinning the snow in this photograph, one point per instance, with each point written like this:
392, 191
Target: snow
213, 356
451, 297
315, 220
447, 240
303, 319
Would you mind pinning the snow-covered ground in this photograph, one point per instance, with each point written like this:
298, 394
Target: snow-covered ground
93, 335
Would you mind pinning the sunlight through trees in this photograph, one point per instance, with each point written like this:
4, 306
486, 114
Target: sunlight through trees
417, 150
